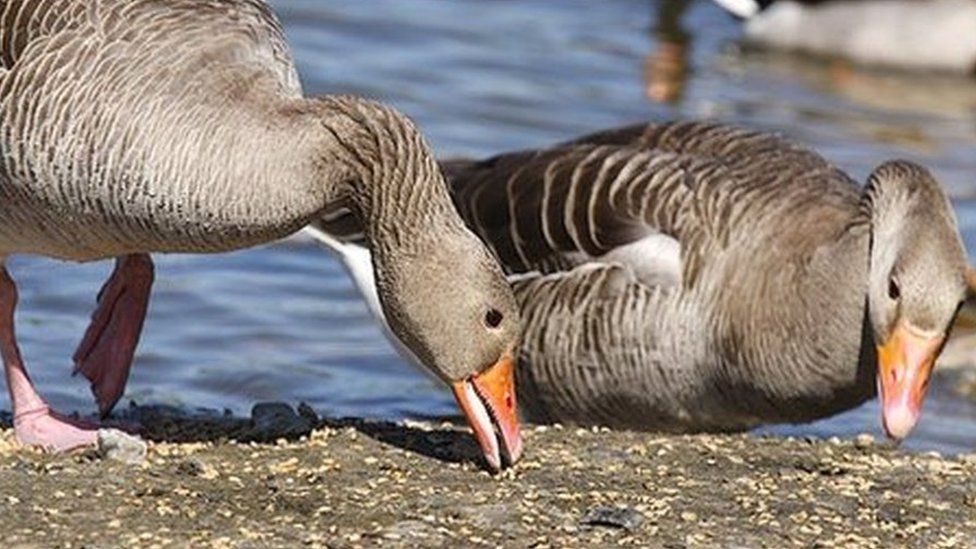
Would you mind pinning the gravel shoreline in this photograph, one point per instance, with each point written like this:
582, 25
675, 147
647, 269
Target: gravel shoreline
351, 483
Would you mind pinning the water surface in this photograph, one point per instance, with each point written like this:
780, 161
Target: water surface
282, 322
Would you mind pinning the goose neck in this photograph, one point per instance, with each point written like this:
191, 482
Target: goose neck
375, 162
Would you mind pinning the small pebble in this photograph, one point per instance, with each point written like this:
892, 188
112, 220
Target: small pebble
614, 517
307, 412
863, 440
120, 446
191, 467
276, 419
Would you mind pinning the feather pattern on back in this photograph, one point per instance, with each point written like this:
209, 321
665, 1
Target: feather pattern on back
698, 183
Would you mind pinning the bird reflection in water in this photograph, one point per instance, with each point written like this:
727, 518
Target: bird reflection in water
666, 67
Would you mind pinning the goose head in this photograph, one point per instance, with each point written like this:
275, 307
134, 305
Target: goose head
445, 298
442, 295
916, 285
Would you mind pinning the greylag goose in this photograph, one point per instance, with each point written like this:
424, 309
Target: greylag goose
910, 34
136, 126
700, 277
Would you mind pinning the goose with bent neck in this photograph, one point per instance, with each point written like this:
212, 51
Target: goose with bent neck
182, 128
700, 277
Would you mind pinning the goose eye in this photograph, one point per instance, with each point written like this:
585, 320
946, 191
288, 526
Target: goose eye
493, 318
893, 291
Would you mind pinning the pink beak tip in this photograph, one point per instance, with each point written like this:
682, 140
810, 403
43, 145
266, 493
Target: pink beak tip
899, 421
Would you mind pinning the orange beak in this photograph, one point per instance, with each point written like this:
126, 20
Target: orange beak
488, 401
905, 364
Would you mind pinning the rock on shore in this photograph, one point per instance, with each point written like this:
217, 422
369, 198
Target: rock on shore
354, 483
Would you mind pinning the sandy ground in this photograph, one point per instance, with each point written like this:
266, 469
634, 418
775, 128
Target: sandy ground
354, 483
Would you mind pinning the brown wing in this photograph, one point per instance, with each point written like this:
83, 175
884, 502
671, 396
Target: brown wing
700, 183
697, 182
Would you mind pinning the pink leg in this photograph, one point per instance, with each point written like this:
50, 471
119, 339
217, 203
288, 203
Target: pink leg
34, 423
105, 354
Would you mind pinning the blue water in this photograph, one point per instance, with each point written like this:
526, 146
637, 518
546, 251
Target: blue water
282, 322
